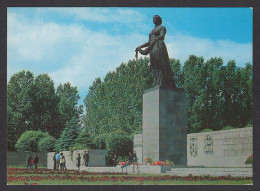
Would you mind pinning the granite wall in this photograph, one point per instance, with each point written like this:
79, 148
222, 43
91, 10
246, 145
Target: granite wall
20, 158
97, 158
225, 148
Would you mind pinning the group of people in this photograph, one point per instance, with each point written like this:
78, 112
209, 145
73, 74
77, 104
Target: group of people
85, 159
32, 162
59, 161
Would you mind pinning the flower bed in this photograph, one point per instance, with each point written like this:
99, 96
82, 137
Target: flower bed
27, 178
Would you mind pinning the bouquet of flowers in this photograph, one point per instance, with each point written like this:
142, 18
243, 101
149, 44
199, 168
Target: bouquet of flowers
148, 160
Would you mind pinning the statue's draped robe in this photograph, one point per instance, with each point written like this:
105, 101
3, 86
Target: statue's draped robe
159, 59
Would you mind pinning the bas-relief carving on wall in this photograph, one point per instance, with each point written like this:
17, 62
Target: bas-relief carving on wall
193, 147
208, 145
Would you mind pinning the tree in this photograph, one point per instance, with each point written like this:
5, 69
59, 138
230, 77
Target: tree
84, 139
33, 104
44, 103
19, 106
29, 140
193, 83
68, 102
116, 102
68, 135
177, 71
47, 144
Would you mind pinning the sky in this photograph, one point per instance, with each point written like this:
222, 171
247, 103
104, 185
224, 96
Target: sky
78, 45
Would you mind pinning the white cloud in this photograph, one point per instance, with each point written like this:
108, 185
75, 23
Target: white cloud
103, 15
181, 46
67, 52
74, 53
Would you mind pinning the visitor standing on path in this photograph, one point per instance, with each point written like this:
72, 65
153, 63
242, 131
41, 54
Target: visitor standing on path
29, 161
36, 161
57, 156
61, 161
31, 164
134, 157
114, 160
64, 163
78, 160
86, 158
54, 161
130, 157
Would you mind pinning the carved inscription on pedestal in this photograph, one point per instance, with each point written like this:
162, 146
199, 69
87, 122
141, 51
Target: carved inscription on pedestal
193, 147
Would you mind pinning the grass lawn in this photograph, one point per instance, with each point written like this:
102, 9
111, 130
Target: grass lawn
21, 176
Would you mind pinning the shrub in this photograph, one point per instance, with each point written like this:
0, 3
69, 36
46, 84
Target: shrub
47, 144
227, 128
119, 143
206, 130
77, 147
99, 141
29, 141
249, 125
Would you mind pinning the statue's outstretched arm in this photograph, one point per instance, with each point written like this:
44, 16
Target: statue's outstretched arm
143, 45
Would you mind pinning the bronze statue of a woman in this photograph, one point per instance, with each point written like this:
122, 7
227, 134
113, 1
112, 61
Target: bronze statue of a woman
159, 59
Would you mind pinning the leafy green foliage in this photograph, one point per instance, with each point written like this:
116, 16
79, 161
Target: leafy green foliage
34, 104
99, 141
29, 141
44, 104
217, 95
68, 103
77, 146
119, 143
47, 144
84, 139
227, 128
116, 102
206, 130
19, 106
68, 135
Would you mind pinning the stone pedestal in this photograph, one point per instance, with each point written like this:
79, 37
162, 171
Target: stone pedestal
165, 125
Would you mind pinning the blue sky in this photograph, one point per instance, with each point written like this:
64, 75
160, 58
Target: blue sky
81, 44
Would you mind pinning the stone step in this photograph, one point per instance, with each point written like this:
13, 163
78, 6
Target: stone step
235, 174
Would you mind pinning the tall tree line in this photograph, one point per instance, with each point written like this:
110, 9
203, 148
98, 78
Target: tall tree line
218, 95
33, 103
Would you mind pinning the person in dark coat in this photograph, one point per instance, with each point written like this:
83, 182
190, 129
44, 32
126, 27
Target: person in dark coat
134, 157
28, 162
86, 158
130, 157
36, 161
78, 159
